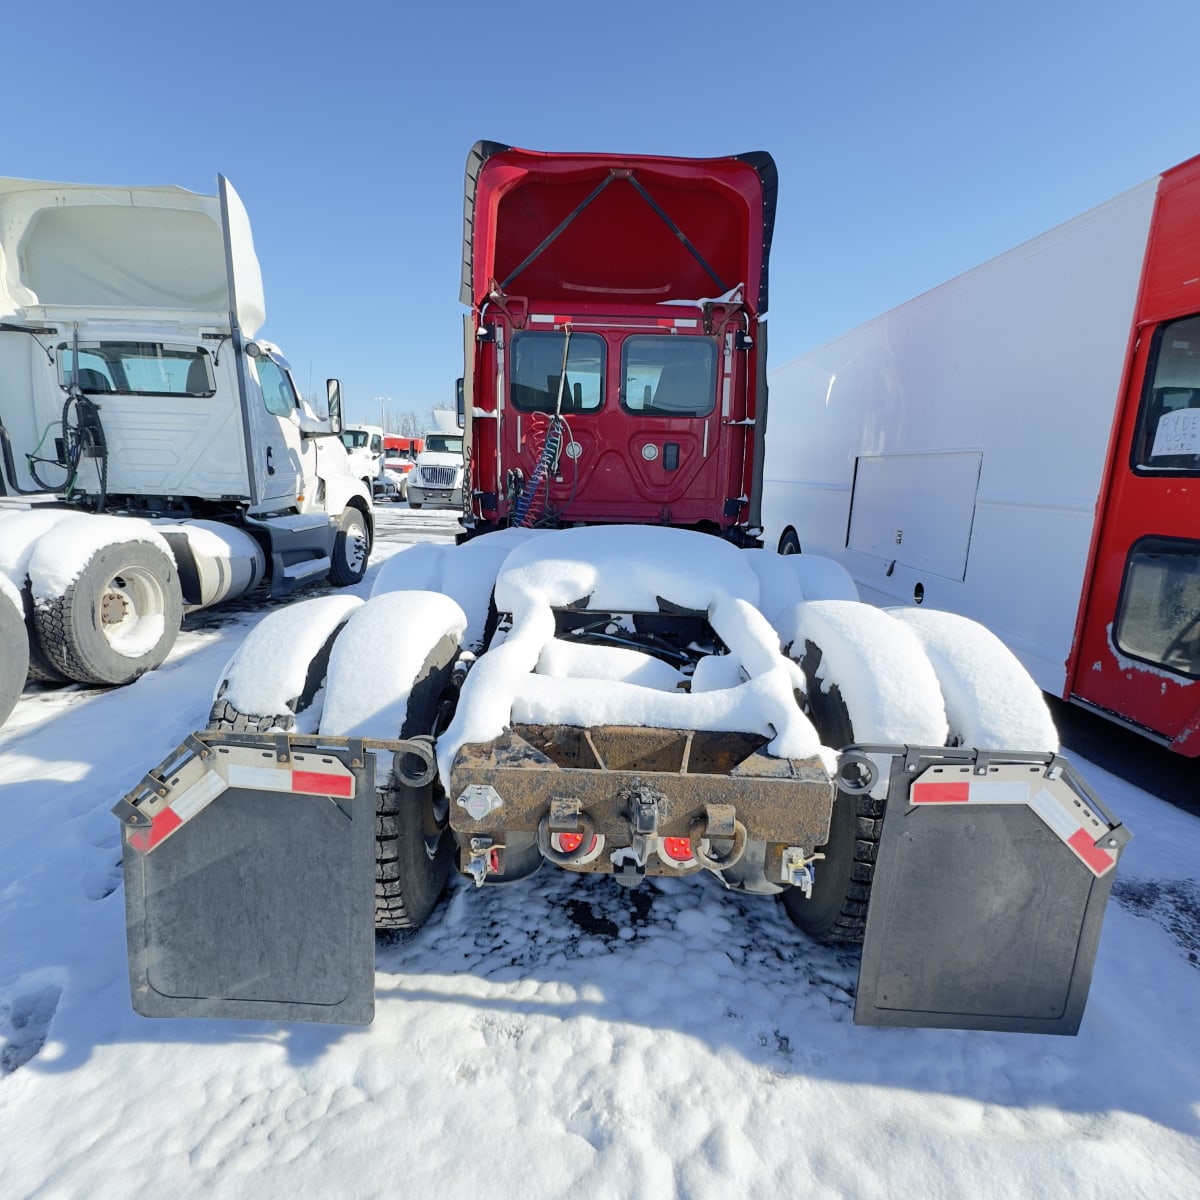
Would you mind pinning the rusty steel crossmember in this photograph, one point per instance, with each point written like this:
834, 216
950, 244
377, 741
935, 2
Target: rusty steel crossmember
533, 769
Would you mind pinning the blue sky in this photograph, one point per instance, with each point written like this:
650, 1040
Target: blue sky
913, 140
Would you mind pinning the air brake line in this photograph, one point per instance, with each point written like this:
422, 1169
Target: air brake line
531, 505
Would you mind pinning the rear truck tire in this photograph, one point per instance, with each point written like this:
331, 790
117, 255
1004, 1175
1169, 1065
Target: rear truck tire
351, 548
41, 669
20, 536
281, 667
789, 543
117, 619
410, 872
832, 637
14, 649
417, 635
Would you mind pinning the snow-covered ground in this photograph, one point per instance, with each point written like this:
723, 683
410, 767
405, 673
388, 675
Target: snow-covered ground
558, 1037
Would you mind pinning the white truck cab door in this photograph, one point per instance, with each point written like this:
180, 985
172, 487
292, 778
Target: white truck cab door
282, 458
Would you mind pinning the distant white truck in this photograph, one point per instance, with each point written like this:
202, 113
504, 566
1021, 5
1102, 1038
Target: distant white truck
365, 448
437, 479
168, 458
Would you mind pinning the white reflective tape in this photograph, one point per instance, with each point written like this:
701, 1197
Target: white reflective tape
271, 779
1051, 810
998, 791
202, 793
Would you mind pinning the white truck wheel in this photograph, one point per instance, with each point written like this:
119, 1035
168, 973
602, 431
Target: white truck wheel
14, 649
351, 548
117, 619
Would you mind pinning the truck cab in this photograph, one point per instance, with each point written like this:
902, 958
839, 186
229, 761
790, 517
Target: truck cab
614, 344
436, 478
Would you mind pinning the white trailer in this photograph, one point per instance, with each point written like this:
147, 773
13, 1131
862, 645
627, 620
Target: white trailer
167, 456
1022, 445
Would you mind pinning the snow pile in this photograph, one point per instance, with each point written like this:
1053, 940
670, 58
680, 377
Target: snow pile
379, 656
991, 701
465, 573
922, 677
786, 578
626, 570
877, 663
570, 660
62, 552
271, 667
19, 532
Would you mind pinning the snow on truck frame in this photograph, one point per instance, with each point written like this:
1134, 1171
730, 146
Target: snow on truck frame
1022, 445
187, 467
592, 686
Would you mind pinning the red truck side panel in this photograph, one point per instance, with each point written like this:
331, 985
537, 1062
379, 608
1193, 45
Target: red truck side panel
1137, 651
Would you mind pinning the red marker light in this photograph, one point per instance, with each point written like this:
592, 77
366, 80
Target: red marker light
677, 848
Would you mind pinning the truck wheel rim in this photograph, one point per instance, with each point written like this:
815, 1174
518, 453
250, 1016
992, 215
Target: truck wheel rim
356, 546
132, 606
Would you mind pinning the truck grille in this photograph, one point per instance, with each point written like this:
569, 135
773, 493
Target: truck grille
438, 477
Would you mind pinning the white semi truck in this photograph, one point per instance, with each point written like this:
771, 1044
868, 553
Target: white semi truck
1021, 445
168, 460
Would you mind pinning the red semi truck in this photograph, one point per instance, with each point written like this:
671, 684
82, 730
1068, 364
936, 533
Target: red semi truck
1022, 445
617, 680
614, 346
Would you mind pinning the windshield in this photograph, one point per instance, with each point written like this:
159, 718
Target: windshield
136, 368
444, 443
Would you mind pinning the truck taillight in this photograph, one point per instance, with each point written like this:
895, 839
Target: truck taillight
568, 843
676, 848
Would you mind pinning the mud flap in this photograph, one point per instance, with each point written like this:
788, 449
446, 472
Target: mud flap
989, 890
249, 868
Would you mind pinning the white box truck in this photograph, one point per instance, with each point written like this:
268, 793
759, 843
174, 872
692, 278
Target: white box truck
1022, 445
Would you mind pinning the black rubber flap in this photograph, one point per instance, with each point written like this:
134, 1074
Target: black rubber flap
261, 906
980, 918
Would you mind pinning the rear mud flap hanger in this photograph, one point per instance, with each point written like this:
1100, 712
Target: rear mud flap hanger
992, 875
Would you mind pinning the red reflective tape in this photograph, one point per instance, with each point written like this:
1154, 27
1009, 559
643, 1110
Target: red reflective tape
316, 784
165, 823
941, 793
1096, 860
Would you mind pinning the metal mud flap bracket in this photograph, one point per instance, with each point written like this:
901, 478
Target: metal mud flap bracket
992, 875
249, 864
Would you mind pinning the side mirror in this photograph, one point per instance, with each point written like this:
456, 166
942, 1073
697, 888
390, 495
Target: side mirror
333, 394
460, 403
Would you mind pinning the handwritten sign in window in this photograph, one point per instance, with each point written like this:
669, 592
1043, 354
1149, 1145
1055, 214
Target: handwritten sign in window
1177, 433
